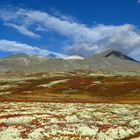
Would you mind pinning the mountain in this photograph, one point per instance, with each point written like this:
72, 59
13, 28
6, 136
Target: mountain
113, 54
110, 61
113, 61
52, 56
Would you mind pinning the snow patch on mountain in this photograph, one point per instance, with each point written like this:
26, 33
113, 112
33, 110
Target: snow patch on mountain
73, 57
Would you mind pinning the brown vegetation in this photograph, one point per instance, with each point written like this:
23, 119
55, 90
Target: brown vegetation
77, 88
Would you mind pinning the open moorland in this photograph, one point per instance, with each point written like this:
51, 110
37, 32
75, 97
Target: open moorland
70, 87
69, 106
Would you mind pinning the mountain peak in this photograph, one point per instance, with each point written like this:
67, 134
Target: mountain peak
117, 54
113, 54
52, 56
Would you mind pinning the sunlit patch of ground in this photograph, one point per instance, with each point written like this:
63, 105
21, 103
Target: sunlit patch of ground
70, 121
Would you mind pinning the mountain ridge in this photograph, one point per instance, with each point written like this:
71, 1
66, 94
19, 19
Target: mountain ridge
109, 61
113, 53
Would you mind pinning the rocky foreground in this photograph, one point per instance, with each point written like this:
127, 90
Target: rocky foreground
69, 121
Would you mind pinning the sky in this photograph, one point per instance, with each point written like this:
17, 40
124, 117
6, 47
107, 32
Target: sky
69, 27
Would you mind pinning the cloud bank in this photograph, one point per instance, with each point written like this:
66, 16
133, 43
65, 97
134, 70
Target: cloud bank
23, 30
16, 47
85, 40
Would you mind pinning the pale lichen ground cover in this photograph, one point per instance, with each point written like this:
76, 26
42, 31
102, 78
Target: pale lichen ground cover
68, 121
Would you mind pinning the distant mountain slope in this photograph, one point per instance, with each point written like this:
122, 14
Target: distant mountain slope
112, 53
113, 61
109, 61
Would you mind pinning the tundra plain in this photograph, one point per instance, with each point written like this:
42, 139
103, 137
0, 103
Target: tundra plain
69, 106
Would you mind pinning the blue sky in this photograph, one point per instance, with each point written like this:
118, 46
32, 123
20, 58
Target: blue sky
69, 27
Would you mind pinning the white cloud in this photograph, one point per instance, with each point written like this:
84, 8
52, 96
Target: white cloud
23, 30
138, 1
123, 38
86, 40
83, 49
78, 32
16, 47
